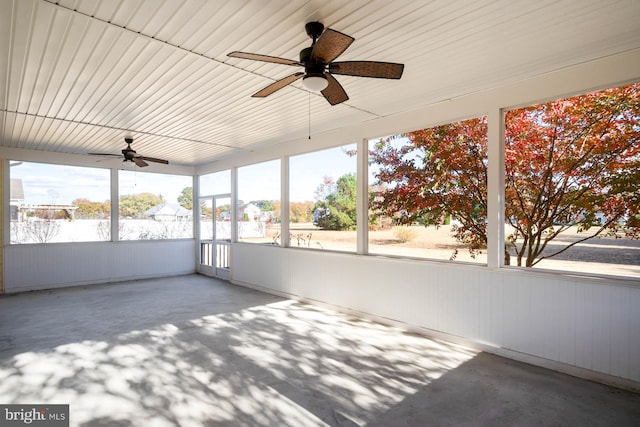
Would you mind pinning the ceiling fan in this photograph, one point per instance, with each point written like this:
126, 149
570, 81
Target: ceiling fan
130, 155
319, 67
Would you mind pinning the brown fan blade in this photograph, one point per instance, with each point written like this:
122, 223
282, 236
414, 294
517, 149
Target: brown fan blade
379, 70
153, 159
330, 45
263, 58
277, 85
138, 161
334, 92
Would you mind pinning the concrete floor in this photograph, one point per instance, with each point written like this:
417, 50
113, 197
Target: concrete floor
192, 351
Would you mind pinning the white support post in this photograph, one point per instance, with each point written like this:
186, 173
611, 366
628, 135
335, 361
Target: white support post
6, 203
5, 215
362, 206
195, 217
284, 201
115, 206
495, 189
234, 204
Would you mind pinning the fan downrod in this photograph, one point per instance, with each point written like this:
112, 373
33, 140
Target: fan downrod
312, 68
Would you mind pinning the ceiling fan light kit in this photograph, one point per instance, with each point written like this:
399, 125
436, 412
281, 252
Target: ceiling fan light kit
315, 83
319, 67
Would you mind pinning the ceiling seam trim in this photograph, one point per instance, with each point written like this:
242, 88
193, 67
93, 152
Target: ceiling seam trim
141, 34
40, 66
25, 56
77, 122
217, 61
11, 41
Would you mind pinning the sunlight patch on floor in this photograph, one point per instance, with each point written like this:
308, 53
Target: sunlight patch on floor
282, 363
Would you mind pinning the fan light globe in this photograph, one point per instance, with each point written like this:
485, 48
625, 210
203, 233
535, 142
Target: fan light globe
315, 83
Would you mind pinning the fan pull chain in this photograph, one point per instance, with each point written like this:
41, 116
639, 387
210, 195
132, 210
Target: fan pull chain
309, 115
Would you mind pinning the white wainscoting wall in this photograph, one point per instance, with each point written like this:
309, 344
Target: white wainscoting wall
583, 326
55, 265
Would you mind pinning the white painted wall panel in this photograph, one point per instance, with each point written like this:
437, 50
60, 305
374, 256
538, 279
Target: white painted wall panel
581, 323
634, 336
619, 337
600, 312
31, 267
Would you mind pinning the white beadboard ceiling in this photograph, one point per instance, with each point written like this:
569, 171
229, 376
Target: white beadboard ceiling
77, 76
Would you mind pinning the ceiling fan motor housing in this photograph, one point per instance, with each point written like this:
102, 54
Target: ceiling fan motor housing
311, 67
128, 154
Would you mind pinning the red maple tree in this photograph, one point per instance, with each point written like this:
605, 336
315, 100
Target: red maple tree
569, 163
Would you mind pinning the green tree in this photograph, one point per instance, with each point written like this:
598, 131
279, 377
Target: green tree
337, 209
185, 199
135, 205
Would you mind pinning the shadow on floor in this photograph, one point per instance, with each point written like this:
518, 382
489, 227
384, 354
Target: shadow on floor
489, 390
46, 319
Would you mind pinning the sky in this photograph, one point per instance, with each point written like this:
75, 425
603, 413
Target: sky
58, 184
261, 181
306, 171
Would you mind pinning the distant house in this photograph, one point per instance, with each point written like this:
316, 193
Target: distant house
169, 212
19, 211
249, 212
16, 199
